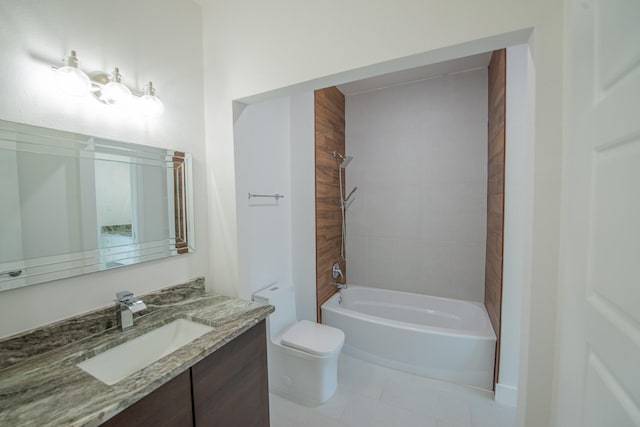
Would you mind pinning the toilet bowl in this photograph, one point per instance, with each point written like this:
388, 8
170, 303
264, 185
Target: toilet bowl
302, 355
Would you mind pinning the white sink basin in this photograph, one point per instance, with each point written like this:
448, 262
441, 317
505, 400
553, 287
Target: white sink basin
119, 362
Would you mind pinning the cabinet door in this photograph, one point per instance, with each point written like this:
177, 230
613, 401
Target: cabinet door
230, 387
169, 406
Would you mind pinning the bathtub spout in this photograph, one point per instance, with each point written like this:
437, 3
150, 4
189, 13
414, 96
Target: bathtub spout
340, 286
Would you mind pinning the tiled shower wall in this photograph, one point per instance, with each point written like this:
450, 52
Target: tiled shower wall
418, 222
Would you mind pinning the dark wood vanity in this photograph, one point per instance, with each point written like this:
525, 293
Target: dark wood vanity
228, 388
217, 379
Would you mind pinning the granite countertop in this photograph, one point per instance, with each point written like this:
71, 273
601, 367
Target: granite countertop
44, 387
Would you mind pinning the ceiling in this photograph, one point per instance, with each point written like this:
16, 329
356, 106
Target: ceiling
415, 74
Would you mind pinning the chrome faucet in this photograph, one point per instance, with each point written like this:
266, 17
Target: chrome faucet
335, 273
126, 305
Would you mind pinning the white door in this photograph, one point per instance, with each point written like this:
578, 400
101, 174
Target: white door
599, 371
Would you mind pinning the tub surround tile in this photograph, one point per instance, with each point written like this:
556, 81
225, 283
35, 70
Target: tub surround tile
380, 262
45, 387
469, 275
358, 250
420, 161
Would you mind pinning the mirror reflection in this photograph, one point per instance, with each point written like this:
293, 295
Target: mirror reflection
74, 204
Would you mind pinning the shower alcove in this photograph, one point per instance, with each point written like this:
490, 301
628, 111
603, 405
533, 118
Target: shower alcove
285, 146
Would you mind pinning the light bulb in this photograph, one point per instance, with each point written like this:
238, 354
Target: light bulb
115, 92
149, 103
71, 79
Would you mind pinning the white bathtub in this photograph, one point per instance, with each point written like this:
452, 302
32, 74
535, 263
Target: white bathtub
441, 338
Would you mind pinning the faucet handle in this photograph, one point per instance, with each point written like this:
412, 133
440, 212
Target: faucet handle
123, 296
336, 272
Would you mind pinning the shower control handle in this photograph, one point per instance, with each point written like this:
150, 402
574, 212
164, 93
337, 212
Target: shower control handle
336, 272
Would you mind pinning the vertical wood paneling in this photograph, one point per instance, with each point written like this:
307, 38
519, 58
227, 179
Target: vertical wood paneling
329, 137
495, 195
179, 200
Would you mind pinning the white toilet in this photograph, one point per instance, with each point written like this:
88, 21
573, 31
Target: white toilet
302, 355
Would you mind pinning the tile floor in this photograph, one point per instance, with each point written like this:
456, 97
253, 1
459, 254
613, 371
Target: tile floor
372, 396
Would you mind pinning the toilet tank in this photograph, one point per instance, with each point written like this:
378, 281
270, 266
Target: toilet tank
283, 299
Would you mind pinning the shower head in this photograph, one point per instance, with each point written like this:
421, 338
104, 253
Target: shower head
345, 159
345, 162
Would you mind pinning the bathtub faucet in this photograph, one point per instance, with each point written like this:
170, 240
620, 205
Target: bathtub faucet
335, 273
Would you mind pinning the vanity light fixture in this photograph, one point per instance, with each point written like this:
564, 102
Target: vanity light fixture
114, 91
72, 79
106, 88
150, 103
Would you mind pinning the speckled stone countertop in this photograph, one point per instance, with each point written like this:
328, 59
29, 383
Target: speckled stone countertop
40, 384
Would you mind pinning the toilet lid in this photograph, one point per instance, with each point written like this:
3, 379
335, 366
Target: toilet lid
313, 338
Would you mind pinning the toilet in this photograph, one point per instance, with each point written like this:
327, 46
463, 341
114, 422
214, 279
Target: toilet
302, 355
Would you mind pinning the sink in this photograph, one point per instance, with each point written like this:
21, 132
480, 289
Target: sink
119, 362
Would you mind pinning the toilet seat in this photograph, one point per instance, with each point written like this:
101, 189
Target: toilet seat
313, 338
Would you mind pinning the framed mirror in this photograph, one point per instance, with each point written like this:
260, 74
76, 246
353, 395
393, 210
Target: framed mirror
72, 204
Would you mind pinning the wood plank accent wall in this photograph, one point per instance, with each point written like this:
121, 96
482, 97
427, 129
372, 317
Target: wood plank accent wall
179, 203
329, 137
495, 195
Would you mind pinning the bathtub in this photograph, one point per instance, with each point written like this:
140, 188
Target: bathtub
440, 338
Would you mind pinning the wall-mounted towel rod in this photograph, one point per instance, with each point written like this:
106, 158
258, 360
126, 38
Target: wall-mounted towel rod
275, 196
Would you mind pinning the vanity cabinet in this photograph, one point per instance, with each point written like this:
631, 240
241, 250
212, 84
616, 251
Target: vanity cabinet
169, 405
228, 388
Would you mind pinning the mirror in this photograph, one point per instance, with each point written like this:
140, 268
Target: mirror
72, 204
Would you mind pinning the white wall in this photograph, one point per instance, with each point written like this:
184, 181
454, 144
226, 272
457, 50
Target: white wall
147, 40
518, 202
263, 166
419, 218
274, 153
296, 45
303, 204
